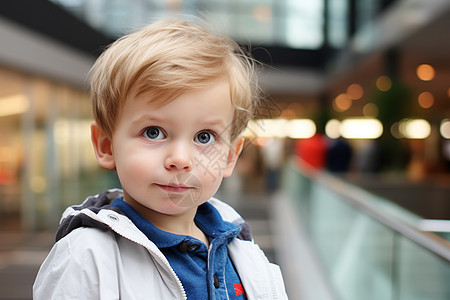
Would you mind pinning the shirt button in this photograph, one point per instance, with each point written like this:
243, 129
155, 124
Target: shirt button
193, 248
216, 281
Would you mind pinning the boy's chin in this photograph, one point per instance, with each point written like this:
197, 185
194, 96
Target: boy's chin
190, 198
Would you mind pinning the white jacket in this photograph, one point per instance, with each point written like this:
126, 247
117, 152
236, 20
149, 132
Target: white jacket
120, 262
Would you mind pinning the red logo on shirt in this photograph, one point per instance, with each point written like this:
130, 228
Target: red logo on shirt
239, 289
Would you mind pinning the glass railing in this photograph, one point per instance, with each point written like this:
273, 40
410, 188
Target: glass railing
369, 248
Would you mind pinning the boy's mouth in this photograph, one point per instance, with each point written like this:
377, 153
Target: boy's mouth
175, 188
184, 190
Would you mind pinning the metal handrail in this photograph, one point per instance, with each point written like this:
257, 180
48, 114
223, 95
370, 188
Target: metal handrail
354, 195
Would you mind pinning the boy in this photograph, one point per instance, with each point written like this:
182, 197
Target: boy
169, 102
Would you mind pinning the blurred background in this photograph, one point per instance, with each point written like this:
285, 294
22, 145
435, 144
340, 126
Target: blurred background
345, 176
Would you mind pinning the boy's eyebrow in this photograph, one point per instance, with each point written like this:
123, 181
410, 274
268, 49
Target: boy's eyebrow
215, 122
212, 122
145, 118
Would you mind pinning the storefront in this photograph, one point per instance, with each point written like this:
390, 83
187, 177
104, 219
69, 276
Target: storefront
46, 157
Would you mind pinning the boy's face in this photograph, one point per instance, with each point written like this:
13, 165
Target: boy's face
171, 158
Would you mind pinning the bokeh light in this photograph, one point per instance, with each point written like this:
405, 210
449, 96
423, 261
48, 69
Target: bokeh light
445, 128
270, 128
280, 128
426, 99
425, 72
342, 102
370, 110
355, 91
383, 83
301, 129
361, 128
395, 130
414, 128
332, 129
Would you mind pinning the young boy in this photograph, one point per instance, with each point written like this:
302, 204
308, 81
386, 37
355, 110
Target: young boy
169, 102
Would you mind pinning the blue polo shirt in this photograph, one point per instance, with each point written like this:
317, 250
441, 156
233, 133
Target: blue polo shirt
206, 273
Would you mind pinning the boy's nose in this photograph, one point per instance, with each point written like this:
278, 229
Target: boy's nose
179, 158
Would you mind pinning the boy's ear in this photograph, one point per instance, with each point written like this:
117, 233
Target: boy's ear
233, 155
102, 147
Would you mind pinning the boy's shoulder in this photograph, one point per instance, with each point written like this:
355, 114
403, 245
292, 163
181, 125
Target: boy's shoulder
106, 263
88, 240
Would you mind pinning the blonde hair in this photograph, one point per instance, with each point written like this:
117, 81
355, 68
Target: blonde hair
166, 59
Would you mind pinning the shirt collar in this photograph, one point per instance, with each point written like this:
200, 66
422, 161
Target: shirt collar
207, 218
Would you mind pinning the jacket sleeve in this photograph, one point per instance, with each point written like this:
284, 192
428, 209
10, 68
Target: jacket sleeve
79, 267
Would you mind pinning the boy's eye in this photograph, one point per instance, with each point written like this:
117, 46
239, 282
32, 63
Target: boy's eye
154, 133
205, 138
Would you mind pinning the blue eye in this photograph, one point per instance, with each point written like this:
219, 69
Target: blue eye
205, 138
154, 133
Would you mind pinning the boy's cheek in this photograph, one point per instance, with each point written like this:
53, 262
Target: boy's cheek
214, 164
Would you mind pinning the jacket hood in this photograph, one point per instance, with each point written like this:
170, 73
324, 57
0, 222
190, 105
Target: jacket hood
73, 217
